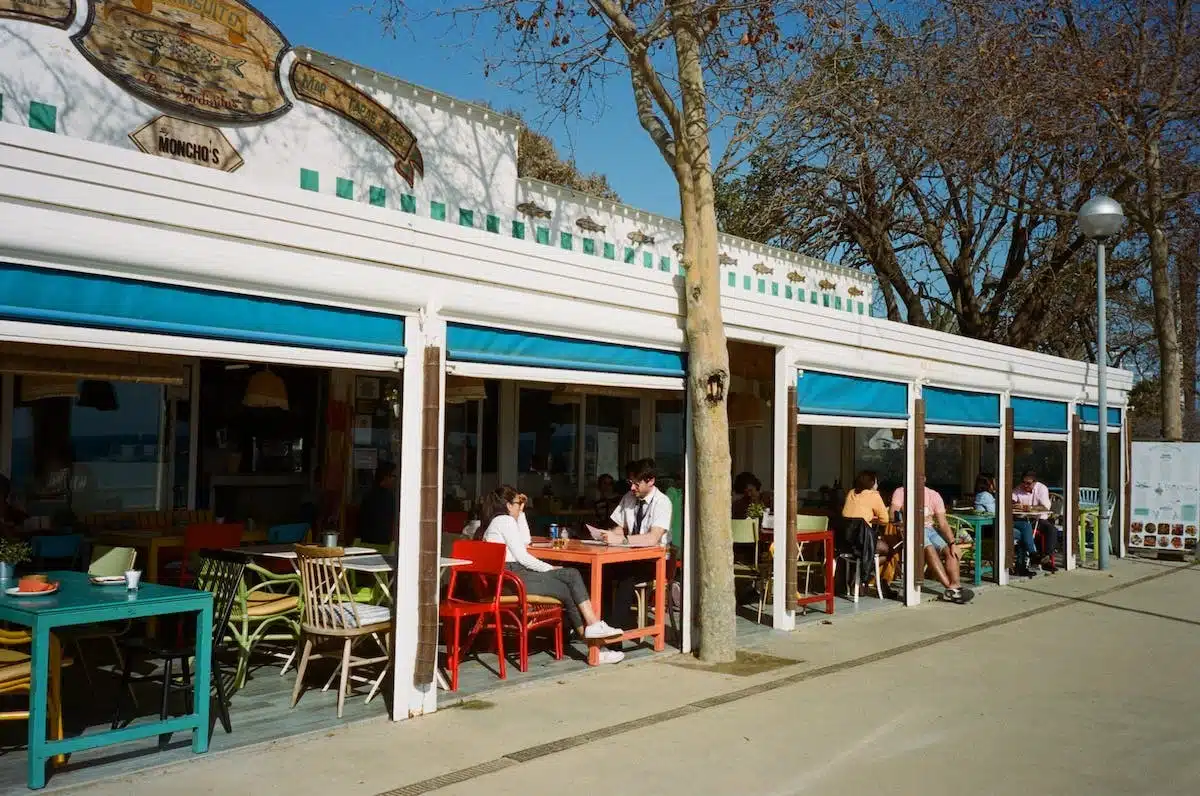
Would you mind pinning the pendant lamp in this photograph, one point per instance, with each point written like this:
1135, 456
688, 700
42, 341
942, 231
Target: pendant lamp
98, 395
266, 390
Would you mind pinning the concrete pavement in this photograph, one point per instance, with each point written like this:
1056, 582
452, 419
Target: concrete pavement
1076, 683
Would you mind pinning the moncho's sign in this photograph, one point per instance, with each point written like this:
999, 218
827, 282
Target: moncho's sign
216, 60
321, 88
187, 142
59, 13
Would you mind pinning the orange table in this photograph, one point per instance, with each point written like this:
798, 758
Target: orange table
596, 556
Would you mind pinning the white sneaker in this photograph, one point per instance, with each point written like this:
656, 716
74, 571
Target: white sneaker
599, 630
611, 656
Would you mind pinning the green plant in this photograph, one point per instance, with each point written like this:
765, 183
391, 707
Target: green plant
15, 551
755, 511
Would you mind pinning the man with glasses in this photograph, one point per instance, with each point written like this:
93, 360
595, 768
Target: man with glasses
1032, 496
643, 519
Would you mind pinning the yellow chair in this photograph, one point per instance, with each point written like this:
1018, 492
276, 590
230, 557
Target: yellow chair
745, 532
15, 676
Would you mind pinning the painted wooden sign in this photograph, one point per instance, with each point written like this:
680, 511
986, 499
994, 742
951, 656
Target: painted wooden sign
216, 60
59, 13
187, 142
321, 88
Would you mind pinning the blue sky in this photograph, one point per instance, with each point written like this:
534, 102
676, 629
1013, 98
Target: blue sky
428, 55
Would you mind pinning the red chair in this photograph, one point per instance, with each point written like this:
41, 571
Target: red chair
530, 612
454, 521
473, 592
203, 536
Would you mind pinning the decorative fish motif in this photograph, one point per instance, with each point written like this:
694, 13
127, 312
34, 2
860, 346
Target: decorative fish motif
763, 268
678, 249
640, 238
853, 291
533, 209
725, 259
587, 225
825, 284
796, 276
179, 49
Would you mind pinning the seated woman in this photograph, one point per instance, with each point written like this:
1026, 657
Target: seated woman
748, 491
985, 494
505, 523
864, 502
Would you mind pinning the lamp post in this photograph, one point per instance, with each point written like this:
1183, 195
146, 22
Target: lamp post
1099, 219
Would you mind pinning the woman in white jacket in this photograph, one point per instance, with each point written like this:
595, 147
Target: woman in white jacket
505, 523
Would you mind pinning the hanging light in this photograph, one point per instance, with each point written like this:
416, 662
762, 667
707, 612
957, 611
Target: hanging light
98, 395
266, 390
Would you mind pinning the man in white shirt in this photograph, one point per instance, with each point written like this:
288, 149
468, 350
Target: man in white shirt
643, 519
1031, 496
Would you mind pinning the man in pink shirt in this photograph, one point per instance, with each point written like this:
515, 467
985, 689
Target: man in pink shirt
940, 554
1030, 496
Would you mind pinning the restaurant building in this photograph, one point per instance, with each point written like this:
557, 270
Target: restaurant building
235, 275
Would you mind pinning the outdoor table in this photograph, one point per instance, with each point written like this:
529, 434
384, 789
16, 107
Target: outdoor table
596, 556
825, 538
977, 522
78, 602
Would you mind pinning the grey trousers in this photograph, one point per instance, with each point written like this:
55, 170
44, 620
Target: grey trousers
564, 584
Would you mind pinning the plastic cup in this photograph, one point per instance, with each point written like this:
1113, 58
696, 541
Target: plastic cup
133, 578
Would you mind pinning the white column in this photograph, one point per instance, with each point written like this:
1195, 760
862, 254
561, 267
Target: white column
1003, 550
785, 376
408, 699
914, 563
1070, 521
6, 422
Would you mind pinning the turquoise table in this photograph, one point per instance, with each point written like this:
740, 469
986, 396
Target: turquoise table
78, 602
977, 522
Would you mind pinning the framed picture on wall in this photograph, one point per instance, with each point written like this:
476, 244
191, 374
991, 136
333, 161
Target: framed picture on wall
367, 388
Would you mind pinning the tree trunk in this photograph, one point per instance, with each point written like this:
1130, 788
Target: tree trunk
708, 357
1189, 341
1160, 288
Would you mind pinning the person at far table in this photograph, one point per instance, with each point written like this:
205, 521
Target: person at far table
940, 554
747, 490
1032, 496
643, 519
504, 518
985, 494
605, 497
377, 511
863, 502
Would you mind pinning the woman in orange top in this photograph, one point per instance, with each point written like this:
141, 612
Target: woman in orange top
864, 502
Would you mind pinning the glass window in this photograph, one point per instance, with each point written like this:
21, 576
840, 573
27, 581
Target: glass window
86, 446
944, 462
610, 438
548, 445
1048, 459
883, 450
470, 449
670, 441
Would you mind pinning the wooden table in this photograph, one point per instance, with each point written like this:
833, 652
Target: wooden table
78, 602
596, 556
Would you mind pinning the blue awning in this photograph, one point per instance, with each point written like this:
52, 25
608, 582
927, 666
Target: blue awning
68, 298
959, 408
1089, 414
831, 394
465, 343
1037, 415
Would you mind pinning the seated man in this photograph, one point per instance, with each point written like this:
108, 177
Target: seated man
747, 490
940, 554
1030, 496
643, 519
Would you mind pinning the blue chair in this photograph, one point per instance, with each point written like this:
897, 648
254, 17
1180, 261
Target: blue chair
59, 549
287, 534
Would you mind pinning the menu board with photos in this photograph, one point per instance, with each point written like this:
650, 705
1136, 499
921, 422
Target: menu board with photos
1166, 496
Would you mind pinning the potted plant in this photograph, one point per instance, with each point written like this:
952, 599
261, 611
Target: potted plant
13, 552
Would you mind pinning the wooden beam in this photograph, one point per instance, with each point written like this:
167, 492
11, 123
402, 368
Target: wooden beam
915, 502
1004, 490
431, 447
787, 523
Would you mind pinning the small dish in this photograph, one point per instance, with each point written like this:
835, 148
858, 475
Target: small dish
107, 580
15, 591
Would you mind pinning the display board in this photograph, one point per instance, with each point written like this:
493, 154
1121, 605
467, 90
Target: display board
1166, 495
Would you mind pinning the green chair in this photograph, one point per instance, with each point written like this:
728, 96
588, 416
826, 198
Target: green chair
373, 593
745, 532
805, 523
266, 610
105, 562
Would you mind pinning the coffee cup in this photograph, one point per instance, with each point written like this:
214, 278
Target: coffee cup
133, 578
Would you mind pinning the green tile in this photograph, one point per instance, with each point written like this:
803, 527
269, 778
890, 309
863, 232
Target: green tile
408, 203
774, 288
589, 246
310, 180
466, 218
682, 270
647, 259
543, 235
787, 291
812, 297
799, 294
732, 279
630, 255
378, 196
610, 251
566, 241
745, 283
860, 308
664, 264
437, 211
43, 116
825, 300
518, 229
345, 188
492, 223
837, 302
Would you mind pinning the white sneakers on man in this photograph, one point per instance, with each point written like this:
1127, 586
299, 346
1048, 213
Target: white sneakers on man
611, 656
600, 630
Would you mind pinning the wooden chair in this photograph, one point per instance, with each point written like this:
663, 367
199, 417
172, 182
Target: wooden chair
221, 574
15, 679
745, 532
331, 616
530, 612
473, 593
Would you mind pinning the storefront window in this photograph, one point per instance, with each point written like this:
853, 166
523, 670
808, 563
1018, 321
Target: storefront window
883, 450
1047, 458
670, 438
610, 438
548, 446
86, 446
470, 449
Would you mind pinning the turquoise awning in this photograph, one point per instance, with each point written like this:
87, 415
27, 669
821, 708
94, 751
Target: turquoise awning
835, 395
958, 408
466, 343
1089, 414
1038, 415
68, 298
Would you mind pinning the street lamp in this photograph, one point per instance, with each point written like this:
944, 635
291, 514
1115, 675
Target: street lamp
1099, 219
